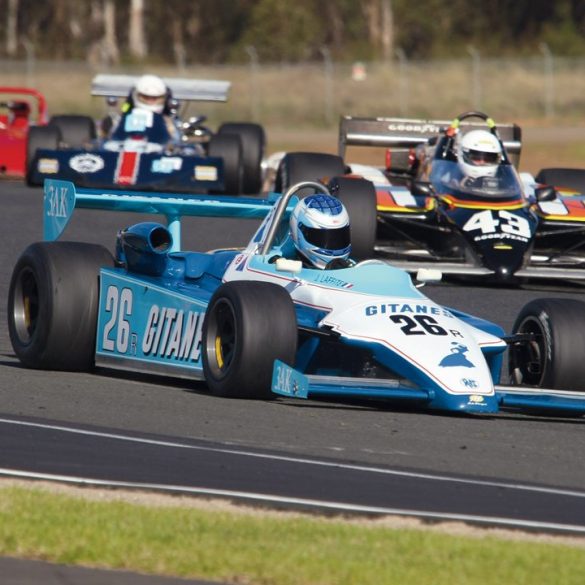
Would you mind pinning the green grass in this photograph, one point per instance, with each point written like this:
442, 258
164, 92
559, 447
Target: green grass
221, 544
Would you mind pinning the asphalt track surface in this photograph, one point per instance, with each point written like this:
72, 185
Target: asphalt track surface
160, 433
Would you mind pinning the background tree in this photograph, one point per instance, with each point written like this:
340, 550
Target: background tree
136, 39
217, 31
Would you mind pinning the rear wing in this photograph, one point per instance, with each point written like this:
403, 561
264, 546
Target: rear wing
182, 89
62, 197
405, 133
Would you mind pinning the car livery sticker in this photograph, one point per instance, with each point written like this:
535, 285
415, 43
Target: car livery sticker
457, 357
138, 120
205, 173
49, 166
86, 163
327, 279
127, 168
147, 323
167, 164
288, 382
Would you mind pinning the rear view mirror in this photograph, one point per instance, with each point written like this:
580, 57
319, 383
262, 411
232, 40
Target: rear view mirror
425, 275
547, 193
423, 188
286, 265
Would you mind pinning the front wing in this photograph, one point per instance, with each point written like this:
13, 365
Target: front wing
287, 381
472, 270
102, 169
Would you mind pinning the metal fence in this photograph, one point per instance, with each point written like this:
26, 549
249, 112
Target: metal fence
315, 94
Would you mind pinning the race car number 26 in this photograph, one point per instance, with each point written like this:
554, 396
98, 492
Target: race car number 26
418, 325
119, 304
488, 221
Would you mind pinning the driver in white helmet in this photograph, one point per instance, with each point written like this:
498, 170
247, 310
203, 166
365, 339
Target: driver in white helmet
319, 228
479, 154
151, 95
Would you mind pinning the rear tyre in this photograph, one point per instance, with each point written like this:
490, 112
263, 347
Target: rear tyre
39, 137
228, 147
53, 304
253, 141
359, 198
247, 326
554, 356
76, 131
307, 166
559, 177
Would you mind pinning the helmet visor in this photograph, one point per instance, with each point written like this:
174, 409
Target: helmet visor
327, 239
479, 157
151, 99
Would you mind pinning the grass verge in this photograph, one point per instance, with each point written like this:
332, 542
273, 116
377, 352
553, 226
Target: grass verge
172, 536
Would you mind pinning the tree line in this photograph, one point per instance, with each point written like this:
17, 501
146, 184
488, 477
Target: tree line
231, 31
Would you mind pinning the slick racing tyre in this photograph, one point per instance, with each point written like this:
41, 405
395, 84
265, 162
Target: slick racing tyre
573, 179
559, 177
53, 304
553, 356
253, 141
228, 147
307, 166
359, 198
39, 137
76, 131
247, 326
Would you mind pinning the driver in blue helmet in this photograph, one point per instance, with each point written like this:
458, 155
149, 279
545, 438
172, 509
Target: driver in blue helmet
319, 228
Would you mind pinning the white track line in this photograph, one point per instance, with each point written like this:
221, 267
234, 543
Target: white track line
305, 461
302, 502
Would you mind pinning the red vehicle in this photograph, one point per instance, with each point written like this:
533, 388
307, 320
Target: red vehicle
20, 108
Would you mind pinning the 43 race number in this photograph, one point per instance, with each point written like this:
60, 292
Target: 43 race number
490, 221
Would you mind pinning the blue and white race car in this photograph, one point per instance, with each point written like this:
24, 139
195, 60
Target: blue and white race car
256, 323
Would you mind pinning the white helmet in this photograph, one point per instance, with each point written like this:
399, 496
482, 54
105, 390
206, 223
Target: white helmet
150, 93
319, 227
479, 153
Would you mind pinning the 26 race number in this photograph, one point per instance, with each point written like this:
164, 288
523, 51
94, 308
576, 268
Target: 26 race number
418, 325
119, 304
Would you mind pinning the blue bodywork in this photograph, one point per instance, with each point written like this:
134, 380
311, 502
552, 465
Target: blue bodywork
152, 308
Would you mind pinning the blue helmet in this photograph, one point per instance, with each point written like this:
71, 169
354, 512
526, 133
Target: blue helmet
319, 227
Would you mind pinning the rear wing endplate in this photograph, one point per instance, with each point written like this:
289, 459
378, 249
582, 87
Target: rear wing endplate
408, 133
182, 89
62, 197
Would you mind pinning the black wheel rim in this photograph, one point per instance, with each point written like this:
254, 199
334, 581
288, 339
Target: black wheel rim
221, 338
25, 308
528, 360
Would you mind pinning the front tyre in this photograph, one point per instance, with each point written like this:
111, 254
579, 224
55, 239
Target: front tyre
247, 326
39, 137
253, 139
296, 167
553, 355
76, 131
53, 304
563, 178
359, 198
228, 147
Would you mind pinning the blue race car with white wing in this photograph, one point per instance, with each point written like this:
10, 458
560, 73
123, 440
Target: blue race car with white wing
255, 322
150, 148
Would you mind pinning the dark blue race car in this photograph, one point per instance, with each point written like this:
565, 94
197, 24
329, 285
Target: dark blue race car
149, 151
